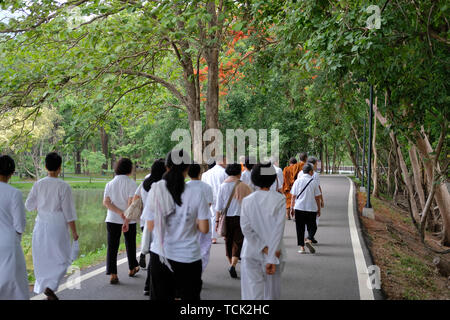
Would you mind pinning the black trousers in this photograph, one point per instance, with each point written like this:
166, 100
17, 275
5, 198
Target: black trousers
302, 219
114, 233
184, 282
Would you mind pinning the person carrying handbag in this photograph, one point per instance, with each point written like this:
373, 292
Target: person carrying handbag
228, 208
306, 203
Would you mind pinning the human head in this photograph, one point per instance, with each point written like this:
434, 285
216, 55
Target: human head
124, 167
249, 162
266, 179
233, 169
313, 161
7, 166
292, 160
194, 171
308, 168
177, 163
157, 171
303, 156
53, 161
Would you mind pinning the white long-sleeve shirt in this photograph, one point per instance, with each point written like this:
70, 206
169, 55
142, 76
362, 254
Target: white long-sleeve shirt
214, 177
50, 196
262, 223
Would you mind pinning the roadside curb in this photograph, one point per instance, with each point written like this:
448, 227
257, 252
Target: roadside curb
378, 294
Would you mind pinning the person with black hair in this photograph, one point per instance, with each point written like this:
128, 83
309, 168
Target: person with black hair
175, 212
306, 203
288, 182
214, 178
156, 173
118, 195
13, 275
229, 199
263, 253
204, 238
51, 247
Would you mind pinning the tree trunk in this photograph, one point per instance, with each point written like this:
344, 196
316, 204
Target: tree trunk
104, 139
326, 158
416, 174
333, 168
442, 195
77, 162
354, 159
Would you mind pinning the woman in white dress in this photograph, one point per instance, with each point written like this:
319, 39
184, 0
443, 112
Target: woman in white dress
175, 212
263, 253
51, 246
157, 171
13, 275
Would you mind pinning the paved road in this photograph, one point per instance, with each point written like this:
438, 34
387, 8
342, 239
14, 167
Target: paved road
331, 273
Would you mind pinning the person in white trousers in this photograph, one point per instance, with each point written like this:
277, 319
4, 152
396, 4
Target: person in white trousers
262, 222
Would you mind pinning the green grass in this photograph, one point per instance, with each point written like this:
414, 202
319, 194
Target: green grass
74, 185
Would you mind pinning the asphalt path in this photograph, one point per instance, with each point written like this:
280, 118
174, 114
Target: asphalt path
337, 270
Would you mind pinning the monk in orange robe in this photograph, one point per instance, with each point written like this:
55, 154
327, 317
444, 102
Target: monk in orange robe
288, 182
299, 166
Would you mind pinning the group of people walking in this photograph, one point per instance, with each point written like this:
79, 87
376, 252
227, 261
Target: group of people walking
245, 203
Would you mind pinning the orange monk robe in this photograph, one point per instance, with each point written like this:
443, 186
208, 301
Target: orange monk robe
288, 182
298, 167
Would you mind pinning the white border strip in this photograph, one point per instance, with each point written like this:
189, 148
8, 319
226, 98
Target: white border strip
361, 266
81, 279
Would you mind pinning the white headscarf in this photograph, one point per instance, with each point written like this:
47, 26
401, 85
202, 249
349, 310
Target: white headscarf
160, 201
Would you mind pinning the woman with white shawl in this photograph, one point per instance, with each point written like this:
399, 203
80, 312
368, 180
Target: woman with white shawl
51, 246
263, 253
175, 212
13, 275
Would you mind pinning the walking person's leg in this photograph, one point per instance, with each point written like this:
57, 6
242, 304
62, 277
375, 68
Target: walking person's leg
310, 220
188, 278
300, 227
162, 280
272, 286
252, 279
114, 231
130, 245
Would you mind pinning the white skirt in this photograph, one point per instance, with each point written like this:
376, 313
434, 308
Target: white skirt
51, 251
13, 275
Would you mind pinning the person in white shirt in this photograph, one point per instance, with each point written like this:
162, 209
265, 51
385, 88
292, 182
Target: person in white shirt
306, 203
118, 195
214, 177
232, 188
175, 212
249, 162
204, 238
157, 171
51, 247
13, 275
263, 253
279, 172
316, 178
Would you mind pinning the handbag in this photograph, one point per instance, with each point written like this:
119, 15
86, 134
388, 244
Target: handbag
134, 211
222, 227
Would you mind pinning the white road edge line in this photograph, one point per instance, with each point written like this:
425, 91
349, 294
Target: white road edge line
81, 279
361, 266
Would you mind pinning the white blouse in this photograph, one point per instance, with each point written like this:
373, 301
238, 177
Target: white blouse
119, 190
